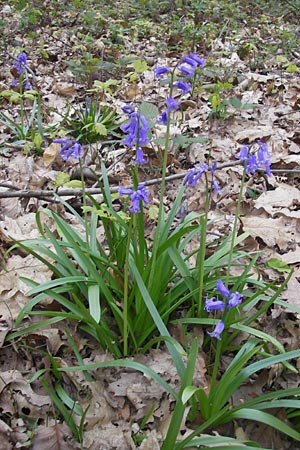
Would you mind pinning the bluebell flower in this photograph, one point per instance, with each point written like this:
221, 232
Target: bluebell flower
243, 153
199, 61
264, 156
235, 299
187, 59
252, 164
70, 147
194, 174
187, 71
223, 290
128, 109
138, 196
163, 118
219, 328
160, 71
140, 159
136, 128
183, 86
21, 63
172, 104
211, 304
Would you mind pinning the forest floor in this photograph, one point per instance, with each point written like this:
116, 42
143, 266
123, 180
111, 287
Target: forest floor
249, 92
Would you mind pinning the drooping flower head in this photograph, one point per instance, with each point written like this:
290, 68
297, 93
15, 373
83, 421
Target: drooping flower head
69, 147
138, 197
140, 158
200, 62
188, 71
136, 128
263, 158
20, 67
21, 63
194, 174
223, 290
252, 164
172, 104
212, 304
160, 71
183, 86
219, 328
193, 61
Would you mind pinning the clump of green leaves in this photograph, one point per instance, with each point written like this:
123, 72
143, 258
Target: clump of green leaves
92, 123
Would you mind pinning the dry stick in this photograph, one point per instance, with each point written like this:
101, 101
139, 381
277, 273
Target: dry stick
93, 191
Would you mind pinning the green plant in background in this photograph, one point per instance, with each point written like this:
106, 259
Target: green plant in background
28, 129
218, 105
92, 123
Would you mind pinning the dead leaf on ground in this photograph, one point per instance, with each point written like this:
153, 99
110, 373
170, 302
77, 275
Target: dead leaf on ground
53, 438
272, 232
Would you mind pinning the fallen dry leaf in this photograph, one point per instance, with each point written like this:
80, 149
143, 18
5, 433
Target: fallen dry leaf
53, 438
272, 231
50, 154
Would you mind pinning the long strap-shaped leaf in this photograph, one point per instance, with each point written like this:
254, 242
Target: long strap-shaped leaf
157, 320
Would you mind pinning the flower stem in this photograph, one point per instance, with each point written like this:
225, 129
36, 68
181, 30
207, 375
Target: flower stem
126, 285
235, 225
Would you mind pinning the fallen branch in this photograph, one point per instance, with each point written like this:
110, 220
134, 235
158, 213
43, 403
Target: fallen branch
93, 191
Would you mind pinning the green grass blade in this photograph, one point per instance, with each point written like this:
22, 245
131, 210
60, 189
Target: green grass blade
157, 320
268, 419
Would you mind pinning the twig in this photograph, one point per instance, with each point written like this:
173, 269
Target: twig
93, 191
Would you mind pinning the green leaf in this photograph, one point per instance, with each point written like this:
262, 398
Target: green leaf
61, 179
235, 102
187, 393
100, 129
132, 76
74, 184
247, 106
149, 110
268, 419
278, 265
153, 212
140, 65
94, 302
292, 68
37, 140
9, 93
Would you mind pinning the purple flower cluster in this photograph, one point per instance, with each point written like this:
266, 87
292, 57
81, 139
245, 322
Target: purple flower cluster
137, 132
232, 299
194, 174
69, 147
253, 162
193, 61
138, 197
20, 65
172, 105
